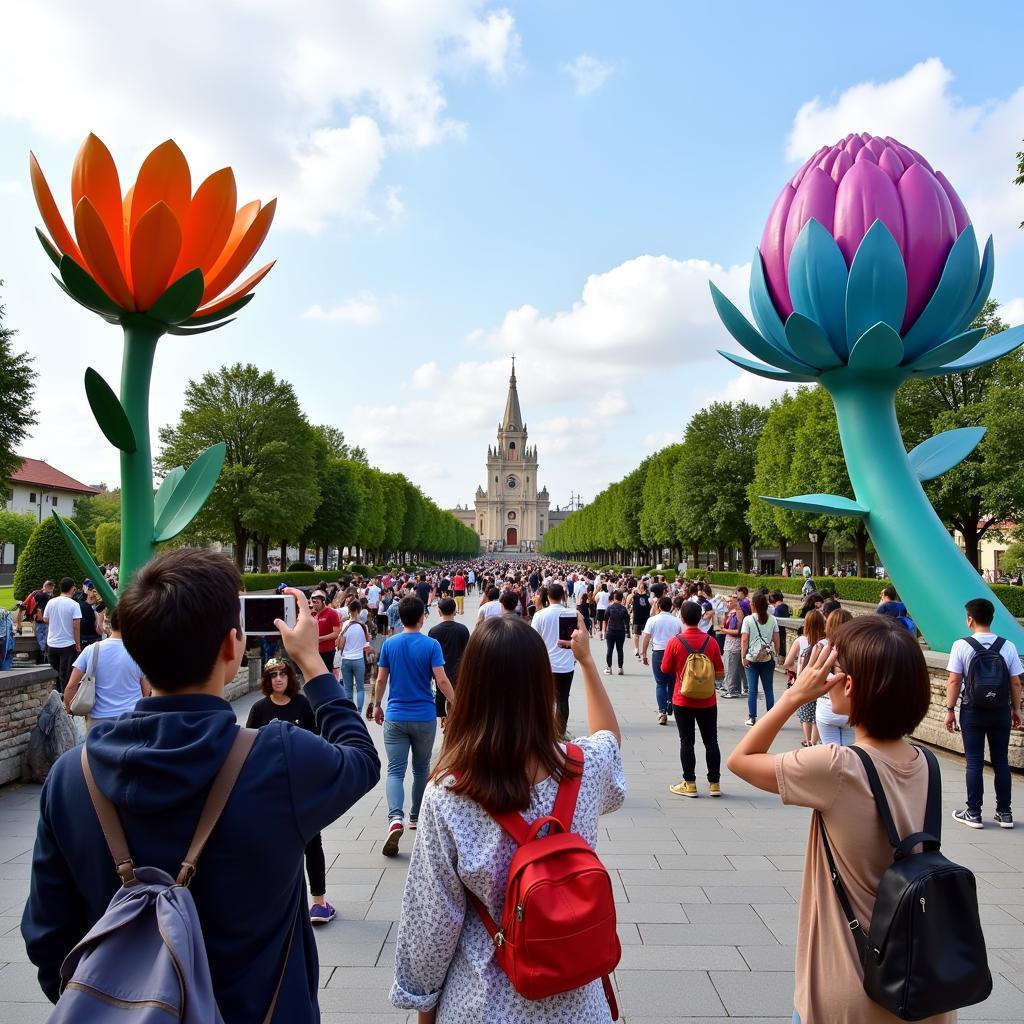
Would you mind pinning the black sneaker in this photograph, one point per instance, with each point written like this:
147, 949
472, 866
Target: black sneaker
1004, 819
972, 819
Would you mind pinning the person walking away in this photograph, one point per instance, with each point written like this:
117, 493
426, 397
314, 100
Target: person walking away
876, 674
502, 754
585, 607
180, 622
560, 652
328, 622
693, 707
119, 682
813, 634
617, 624
409, 662
510, 605
424, 591
660, 628
781, 610
470, 581
89, 627
282, 702
759, 646
453, 637
832, 724
353, 645
603, 600
459, 591
35, 605
639, 605
989, 693
491, 607
63, 618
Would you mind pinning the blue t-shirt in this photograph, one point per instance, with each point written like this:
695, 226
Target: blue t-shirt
411, 658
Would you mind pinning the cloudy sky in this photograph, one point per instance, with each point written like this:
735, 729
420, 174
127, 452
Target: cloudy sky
459, 180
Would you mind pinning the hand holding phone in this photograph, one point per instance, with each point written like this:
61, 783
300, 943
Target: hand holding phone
566, 628
302, 639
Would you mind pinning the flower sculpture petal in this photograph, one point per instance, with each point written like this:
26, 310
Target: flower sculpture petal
156, 259
158, 249
868, 273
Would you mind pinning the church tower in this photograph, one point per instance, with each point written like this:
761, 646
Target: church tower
510, 513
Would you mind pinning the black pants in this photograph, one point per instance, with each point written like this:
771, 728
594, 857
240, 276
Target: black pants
328, 657
61, 659
707, 721
978, 725
614, 643
440, 700
316, 866
563, 684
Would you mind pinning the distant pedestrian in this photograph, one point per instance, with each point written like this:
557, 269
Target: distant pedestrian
63, 618
799, 654
759, 644
832, 724
453, 637
616, 626
659, 630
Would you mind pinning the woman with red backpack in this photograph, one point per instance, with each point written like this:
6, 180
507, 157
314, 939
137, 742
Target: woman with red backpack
472, 922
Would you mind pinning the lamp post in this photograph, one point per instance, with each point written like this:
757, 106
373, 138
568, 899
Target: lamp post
815, 568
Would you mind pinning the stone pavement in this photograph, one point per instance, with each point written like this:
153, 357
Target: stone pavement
707, 890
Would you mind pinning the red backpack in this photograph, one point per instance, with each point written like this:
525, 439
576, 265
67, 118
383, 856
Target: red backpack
559, 929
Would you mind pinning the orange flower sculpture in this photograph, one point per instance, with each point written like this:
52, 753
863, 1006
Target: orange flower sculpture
157, 259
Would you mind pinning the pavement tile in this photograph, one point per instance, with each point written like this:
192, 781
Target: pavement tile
755, 992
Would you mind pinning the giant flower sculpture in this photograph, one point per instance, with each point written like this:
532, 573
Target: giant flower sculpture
157, 259
868, 274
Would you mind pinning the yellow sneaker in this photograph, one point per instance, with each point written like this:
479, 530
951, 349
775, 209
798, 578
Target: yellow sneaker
714, 789
685, 789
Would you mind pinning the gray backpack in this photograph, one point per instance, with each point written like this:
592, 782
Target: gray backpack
144, 961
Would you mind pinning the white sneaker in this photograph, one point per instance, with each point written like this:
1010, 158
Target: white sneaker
750, 721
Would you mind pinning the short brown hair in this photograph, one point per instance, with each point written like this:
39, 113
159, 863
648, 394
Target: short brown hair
272, 666
174, 617
891, 689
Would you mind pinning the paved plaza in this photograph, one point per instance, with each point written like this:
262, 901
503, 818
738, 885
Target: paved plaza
707, 890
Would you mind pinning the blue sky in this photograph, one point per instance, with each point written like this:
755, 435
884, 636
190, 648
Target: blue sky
459, 180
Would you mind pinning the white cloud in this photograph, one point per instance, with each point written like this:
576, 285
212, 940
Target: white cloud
305, 104
362, 312
747, 387
659, 439
588, 73
973, 145
1012, 311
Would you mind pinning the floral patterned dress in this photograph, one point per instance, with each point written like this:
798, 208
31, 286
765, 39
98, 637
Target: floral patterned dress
444, 956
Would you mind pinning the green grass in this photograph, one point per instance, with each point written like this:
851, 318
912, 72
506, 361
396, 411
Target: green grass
7, 597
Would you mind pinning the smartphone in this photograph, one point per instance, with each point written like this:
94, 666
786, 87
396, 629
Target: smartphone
566, 626
260, 610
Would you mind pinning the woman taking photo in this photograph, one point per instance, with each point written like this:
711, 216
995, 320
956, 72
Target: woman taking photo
282, 700
832, 724
501, 752
759, 646
813, 633
877, 675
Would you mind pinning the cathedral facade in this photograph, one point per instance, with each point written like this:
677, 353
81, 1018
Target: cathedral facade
510, 514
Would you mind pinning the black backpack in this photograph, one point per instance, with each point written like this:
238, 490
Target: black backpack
924, 951
987, 682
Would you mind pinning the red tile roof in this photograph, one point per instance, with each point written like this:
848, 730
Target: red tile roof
44, 476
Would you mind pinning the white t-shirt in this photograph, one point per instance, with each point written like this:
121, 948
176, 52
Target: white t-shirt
59, 613
962, 653
755, 629
355, 639
602, 601
661, 628
373, 596
546, 623
491, 610
118, 677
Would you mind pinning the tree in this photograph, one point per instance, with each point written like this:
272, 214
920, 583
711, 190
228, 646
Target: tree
46, 557
104, 507
108, 542
16, 528
17, 385
337, 446
268, 487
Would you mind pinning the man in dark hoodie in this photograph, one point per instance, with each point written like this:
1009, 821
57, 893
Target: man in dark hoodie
180, 622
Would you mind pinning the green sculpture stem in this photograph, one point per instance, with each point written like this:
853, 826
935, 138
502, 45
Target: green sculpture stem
934, 577
137, 547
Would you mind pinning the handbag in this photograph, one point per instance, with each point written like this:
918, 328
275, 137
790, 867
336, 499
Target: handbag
85, 696
765, 651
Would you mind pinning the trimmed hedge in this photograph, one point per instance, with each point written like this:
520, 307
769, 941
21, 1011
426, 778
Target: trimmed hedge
299, 567
46, 556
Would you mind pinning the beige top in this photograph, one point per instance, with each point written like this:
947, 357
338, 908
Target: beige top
831, 779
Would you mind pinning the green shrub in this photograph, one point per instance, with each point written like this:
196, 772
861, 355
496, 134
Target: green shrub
300, 567
108, 542
357, 568
46, 557
269, 580
1012, 597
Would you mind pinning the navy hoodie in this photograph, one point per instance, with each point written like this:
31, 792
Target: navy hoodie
156, 765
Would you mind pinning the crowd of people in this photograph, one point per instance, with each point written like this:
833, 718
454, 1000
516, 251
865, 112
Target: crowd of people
499, 694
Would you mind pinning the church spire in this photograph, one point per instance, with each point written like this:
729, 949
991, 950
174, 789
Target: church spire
513, 418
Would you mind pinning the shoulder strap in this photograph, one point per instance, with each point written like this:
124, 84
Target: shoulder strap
569, 787
110, 823
704, 646
997, 644
216, 799
859, 937
975, 645
689, 649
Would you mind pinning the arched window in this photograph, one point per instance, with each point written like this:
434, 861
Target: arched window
511, 451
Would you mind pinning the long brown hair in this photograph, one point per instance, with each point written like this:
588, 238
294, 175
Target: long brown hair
814, 627
502, 721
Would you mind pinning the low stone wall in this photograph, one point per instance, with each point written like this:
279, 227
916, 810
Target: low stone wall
24, 691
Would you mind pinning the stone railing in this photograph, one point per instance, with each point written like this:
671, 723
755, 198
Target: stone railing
23, 692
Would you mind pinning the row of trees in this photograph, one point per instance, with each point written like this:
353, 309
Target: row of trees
287, 482
703, 494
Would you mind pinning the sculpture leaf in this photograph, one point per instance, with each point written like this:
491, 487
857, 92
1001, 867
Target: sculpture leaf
877, 287
941, 453
108, 412
88, 563
189, 493
827, 504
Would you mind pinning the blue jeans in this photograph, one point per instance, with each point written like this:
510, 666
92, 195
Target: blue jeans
41, 631
401, 739
765, 672
977, 725
663, 683
353, 674
840, 735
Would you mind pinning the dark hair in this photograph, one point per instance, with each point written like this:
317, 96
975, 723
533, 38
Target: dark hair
617, 595
493, 594
556, 592
293, 680
354, 606
775, 595
410, 610
814, 626
664, 604
691, 613
759, 603
830, 606
446, 606
185, 601
809, 602
982, 610
67, 584
503, 718
540, 597
891, 690
742, 589
890, 592
658, 589
509, 600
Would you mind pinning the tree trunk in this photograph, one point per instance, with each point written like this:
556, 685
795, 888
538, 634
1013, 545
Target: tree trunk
241, 540
302, 550
284, 555
818, 556
746, 549
720, 557
264, 549
783, 552
972, 535
695, 551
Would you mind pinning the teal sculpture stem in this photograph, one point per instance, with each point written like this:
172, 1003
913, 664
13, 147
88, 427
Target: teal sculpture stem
914, 546
140, 340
